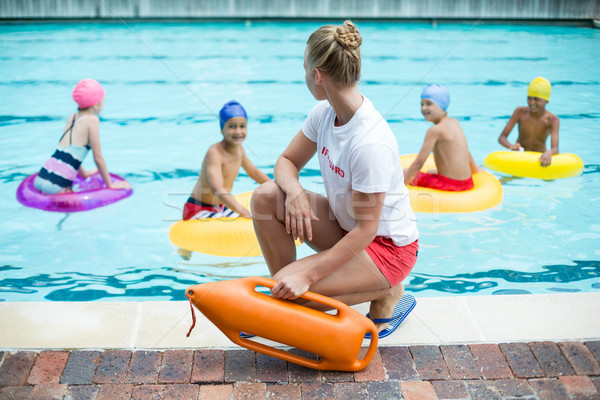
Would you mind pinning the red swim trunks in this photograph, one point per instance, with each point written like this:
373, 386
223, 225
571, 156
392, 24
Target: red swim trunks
440, 182
194, 209
394, 262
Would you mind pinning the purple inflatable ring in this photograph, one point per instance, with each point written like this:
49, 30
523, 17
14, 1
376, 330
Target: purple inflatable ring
87, 194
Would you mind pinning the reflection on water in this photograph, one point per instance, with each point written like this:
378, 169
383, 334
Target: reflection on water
136, 283
479, 281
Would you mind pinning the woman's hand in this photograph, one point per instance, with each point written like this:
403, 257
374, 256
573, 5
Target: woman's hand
298, 216
291, 287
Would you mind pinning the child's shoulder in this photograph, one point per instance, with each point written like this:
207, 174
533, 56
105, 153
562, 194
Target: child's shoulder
520, 112
214, 148
522, 109
219, 149
88, 119
551, 115
437, 130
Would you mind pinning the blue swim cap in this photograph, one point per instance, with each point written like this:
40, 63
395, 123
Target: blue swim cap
231, 109
438, 94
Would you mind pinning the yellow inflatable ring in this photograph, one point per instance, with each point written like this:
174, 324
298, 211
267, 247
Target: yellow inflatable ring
487, 193
226, 237
229, 237
526, 164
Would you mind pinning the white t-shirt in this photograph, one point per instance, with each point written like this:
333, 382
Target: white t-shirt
362, 155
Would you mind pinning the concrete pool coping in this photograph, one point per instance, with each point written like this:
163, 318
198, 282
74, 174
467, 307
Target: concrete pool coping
163, 325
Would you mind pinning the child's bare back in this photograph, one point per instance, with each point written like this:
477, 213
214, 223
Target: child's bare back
447, 141
450, 151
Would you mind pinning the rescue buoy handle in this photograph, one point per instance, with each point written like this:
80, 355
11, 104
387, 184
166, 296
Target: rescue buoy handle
311, 296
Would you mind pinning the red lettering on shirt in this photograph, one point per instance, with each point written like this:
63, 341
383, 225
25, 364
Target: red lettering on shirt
336, 170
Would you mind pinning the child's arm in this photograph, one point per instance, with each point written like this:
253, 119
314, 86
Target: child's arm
546, 157
86, 174
431, 138
508, 128
94, 132
473, 165
217, 187
253, 172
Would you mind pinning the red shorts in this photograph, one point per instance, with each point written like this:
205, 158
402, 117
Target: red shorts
394, 262
440, 182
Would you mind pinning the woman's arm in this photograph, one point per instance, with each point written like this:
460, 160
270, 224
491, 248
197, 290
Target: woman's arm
286, 174
367, 211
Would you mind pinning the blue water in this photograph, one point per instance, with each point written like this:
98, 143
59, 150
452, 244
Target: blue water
165, 83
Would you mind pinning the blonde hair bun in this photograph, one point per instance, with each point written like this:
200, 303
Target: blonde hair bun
348, 36
335, 50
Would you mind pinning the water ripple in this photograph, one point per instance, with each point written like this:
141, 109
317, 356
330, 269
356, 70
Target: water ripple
391, 82
478, 281
137, 282
187, 119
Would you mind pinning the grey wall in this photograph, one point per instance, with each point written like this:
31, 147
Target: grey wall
467, 9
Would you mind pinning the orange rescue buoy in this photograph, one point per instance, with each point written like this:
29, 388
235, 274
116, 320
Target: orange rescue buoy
236, 306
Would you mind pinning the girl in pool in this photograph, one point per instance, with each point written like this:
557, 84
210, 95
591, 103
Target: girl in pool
80, 135
364, 231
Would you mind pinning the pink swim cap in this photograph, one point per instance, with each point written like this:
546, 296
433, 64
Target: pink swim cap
88, 93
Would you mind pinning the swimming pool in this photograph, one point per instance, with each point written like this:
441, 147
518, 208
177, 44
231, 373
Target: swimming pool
164, 83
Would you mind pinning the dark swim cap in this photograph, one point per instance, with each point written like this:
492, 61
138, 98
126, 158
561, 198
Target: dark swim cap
231, 109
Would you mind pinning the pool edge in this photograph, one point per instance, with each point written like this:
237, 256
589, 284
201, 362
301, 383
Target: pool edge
163, 325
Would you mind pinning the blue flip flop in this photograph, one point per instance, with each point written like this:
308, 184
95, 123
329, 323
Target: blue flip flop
246, 335
402, 309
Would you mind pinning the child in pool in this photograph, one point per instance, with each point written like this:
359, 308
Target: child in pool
535, 123
211, 197
449, 145
81, 133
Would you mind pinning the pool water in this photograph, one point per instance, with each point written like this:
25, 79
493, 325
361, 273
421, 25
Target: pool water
166, 82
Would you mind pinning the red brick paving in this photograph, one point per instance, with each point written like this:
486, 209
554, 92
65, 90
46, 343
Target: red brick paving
534, 371
48, 367
491, 361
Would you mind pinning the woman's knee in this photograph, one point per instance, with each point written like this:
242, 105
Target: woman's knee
264, 199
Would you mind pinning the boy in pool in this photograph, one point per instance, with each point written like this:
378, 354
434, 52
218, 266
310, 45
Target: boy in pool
449, 145
535, 123
211, 197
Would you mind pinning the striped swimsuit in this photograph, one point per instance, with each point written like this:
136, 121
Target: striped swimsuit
62, 167
195, 209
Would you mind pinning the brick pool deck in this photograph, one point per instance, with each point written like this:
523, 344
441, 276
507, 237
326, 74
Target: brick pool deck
534, 370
